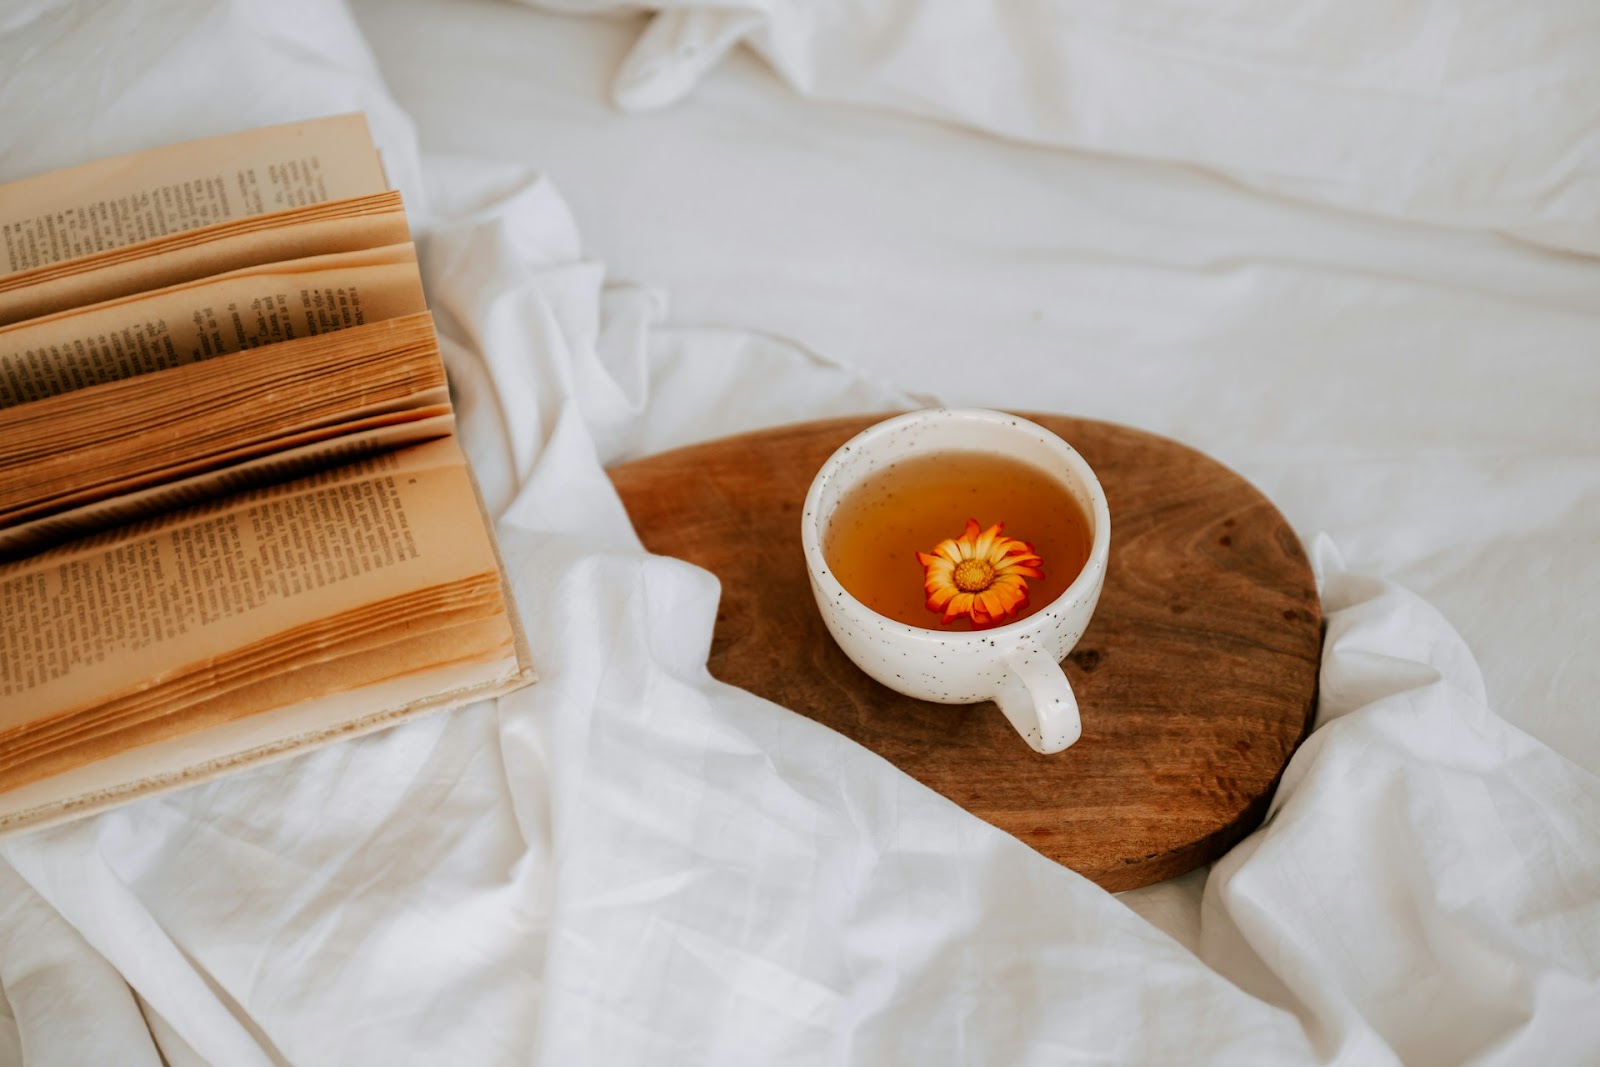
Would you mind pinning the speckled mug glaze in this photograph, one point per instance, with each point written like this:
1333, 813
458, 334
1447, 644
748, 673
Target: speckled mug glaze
1017, 665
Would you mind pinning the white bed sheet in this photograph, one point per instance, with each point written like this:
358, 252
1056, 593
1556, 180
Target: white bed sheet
1426, 397
629, 863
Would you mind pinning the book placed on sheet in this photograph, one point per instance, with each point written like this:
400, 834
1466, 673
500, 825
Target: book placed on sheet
234, 518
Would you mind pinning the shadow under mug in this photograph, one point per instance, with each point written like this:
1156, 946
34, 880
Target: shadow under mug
1018, 664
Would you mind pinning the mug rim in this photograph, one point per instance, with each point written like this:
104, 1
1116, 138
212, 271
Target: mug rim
820, 571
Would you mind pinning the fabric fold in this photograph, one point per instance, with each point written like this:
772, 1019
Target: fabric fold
1398, 110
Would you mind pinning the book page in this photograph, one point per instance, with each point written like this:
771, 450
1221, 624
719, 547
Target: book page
252, 740
403, 635
198, 320
121, 612
318, 230
114, 202
151, 422
111, 452
283, 462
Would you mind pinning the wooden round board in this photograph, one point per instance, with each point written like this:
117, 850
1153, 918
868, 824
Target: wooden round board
1196, 679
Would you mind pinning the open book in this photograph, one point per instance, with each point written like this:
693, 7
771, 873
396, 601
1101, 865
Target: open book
234, 518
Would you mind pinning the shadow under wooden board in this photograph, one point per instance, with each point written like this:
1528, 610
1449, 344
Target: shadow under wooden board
1196, 678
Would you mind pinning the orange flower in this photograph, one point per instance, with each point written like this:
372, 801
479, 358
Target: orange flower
980, 575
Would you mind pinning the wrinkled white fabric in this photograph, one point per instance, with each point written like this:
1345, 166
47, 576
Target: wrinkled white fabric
1445, 111
632, 863
1426, 880
1424, 396
85, 80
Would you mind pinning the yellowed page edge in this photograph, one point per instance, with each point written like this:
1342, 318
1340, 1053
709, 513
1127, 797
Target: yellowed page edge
195, 321
169, 401
131, 198
353, 653
256, 740
125, 609
125, 273
238, 475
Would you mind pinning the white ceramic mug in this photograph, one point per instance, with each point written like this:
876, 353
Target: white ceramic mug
1018, 664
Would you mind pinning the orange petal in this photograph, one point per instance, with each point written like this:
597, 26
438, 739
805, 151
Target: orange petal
959, 605
984, 547
967, 542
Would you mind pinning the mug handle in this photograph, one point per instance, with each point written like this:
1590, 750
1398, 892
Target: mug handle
1038, 700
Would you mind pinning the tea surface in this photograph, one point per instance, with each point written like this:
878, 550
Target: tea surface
879, 527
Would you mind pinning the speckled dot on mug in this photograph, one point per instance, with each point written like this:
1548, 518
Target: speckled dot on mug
1017, 664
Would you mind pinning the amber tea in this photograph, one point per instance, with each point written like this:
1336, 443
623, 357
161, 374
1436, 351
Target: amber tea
878, 530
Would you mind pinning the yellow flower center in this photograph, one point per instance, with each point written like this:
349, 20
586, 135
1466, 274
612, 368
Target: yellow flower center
973, 575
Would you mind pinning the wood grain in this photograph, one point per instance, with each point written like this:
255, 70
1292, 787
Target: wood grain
1196, 679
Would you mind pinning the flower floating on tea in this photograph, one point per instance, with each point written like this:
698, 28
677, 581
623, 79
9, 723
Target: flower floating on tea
983, 576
